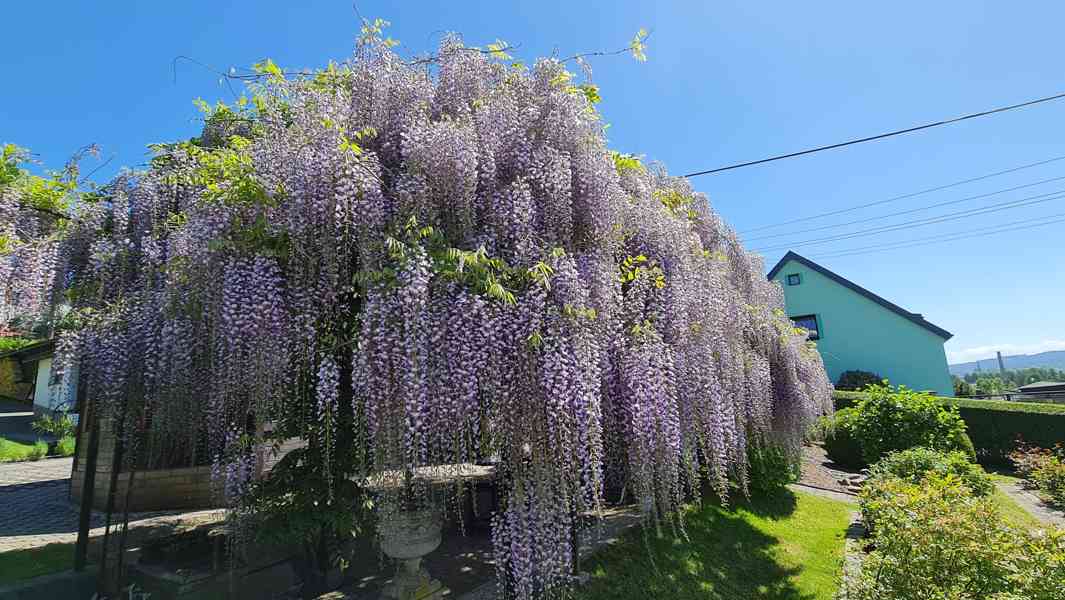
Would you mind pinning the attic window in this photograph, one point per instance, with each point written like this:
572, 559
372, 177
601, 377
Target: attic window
794, 279
809, 323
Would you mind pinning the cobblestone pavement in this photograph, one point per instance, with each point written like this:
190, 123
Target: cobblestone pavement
35, 508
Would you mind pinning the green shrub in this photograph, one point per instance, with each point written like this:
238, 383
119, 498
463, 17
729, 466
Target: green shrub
1042, 469
915, 464
840, 444
1051, 480
1028, 459
857, 380
962, 388
65, 446
771, 466
964, 444
39, 450
59, 426
994, 425
934, 539
8, 344
896, 419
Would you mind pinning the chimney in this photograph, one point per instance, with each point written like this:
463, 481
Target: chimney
1001, 365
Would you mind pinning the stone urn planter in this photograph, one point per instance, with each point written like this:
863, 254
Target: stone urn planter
407, 537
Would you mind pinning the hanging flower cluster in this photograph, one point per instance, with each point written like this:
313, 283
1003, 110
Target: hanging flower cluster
427, 264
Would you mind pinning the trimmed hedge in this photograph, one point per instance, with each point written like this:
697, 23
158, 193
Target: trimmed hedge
994, 425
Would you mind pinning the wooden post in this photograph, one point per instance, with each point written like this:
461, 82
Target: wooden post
109, 582
88, 486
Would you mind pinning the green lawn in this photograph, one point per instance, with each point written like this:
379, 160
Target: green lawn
1014, 513
788, 547
25, 564
11, 450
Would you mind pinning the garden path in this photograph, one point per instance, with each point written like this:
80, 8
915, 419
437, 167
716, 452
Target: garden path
820, 476
1032, 503
35, 508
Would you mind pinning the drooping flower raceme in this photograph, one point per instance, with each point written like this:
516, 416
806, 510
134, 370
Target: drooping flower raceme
431, 264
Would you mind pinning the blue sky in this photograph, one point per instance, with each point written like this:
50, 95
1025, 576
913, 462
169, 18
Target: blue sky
725, 82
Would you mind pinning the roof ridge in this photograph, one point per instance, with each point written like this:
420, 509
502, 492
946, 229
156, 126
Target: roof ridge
916, 318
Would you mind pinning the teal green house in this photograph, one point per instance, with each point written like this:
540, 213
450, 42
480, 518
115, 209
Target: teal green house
857, 330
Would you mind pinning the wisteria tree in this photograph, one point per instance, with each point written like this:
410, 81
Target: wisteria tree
412, 263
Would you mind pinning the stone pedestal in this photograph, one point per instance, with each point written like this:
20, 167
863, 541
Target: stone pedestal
407, 537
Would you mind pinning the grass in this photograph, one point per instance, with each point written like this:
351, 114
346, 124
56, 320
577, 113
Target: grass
1014, 513
19, 565
787, 547
12, 451
65, 446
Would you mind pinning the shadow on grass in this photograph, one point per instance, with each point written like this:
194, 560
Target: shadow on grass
19, 565
724, 557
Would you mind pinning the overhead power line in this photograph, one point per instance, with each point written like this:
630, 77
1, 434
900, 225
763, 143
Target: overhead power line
963, 214
880, 136
904, 196
972, 233
906, 212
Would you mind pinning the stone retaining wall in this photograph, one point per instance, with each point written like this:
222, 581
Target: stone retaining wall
163, 489
157, 489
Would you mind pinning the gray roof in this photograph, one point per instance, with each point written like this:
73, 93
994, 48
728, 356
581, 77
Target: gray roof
915, 318
1039, 385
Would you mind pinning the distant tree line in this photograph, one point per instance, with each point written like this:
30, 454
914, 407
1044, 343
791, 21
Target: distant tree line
978, 383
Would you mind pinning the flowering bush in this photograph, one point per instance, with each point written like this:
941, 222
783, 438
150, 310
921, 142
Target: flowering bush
915, 464
934, 539
411, 264
1042, 469
1028, 459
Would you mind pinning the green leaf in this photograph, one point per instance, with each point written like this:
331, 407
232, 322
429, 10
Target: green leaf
591, 92
269, 67
638, 45
626, 162
498, 50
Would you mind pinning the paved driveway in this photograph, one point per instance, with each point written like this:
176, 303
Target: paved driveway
34, 507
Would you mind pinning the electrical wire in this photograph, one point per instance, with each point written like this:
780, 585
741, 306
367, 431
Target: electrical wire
972, 212
904, 196
974, 233
880, 136
906, 212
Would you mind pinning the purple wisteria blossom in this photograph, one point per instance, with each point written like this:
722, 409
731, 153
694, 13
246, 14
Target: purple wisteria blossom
421, 265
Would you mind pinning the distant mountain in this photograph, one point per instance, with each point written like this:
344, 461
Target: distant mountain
1052, 360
